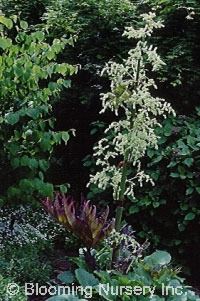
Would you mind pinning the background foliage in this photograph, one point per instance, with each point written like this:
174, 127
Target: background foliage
171, 208
178, 45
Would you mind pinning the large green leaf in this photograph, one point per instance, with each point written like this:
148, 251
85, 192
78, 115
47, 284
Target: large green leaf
33, 163
62, 68
39, 35
24, 160
32, 112
37, 183
66, 277
103, 291
189, 190
12, 118
65, 298
7, 22
85, 278
50, 54
24, 25
158, 257
44, 165
52, 86
46, 190
65, 137
63, 188
14, 148
26, 184
15, 162
190, 216
45, 144
188, 161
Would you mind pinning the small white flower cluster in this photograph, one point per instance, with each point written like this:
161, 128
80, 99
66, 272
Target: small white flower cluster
123, 241
150, 25
191, 11
24, 225
130, 93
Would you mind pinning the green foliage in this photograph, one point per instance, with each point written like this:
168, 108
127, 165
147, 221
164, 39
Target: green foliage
169, 211
24, 9
30, 80
147, 280
158, 258
99, 26
4, 282
66, 277
85, 278
26, 264
96, 27
179, 44
66, 298
81, 17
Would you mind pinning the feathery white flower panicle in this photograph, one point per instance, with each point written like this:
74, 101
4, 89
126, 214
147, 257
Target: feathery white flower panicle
130, 93
147, 30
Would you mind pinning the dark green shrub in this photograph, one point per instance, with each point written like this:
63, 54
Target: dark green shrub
30, 80
97, 27
25, 9
169, 211
178, 45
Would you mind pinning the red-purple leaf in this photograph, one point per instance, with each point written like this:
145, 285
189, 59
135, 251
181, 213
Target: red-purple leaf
81, 219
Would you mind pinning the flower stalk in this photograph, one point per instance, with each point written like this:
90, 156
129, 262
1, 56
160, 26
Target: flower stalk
134, 133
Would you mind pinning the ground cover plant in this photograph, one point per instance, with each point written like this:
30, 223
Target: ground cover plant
117, 245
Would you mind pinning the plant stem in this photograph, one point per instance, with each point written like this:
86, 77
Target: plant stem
119, 209
138, 72
118, 217
120, 206
123, 182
